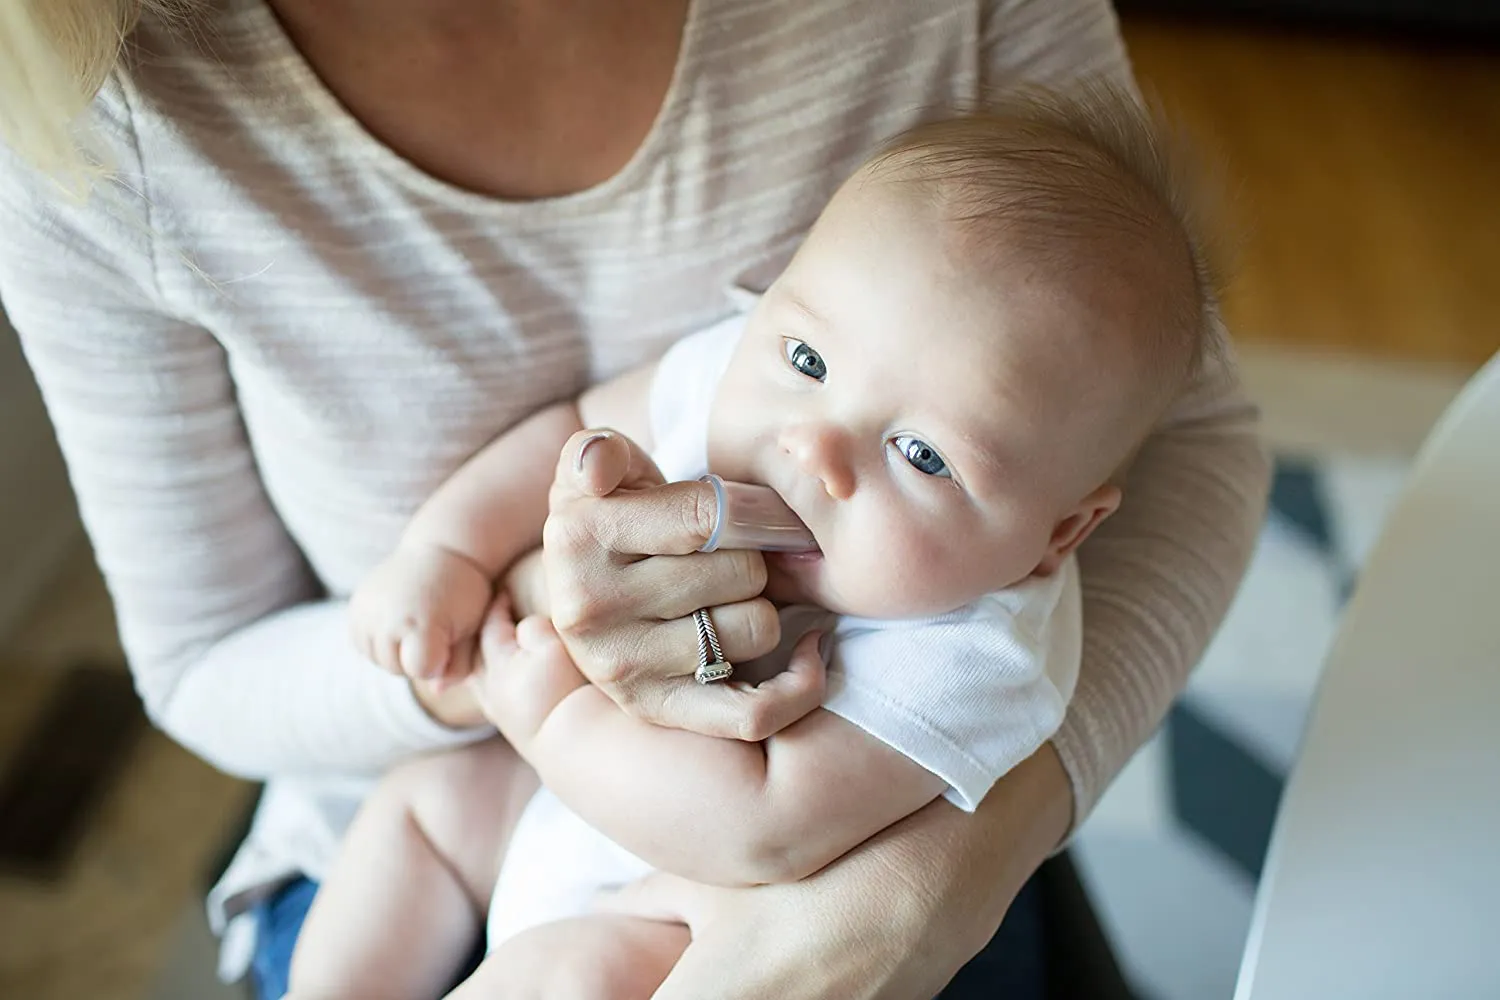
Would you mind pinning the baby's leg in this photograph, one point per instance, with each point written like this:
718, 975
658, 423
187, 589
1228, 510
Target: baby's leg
403, 905
585, 958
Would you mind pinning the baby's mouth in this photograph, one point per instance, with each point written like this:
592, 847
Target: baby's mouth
756, 517
795, 558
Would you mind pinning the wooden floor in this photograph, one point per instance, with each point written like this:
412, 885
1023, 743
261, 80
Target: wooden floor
1366, 182
100, 931
1366, 179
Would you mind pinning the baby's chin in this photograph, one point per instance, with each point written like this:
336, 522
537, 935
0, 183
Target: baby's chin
791, 578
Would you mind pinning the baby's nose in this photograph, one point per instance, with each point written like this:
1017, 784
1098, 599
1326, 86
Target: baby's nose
823, 452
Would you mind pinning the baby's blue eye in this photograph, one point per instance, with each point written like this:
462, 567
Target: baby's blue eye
922, 456
806, 360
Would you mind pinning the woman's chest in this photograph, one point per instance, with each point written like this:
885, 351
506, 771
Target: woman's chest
512, 100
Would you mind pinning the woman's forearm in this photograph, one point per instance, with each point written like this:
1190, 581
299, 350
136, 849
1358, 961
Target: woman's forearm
290, 694
955, 873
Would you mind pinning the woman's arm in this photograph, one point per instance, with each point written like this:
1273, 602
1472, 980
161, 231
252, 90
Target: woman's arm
233, 652
1159, 575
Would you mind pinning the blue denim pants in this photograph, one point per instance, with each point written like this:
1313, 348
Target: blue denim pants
1010, 966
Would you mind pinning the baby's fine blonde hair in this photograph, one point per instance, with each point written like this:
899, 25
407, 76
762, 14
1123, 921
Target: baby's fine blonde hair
54, 56
1061, 176
1087, 183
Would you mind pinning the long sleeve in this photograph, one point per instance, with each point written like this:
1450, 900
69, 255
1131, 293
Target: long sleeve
232, 651
1159, 575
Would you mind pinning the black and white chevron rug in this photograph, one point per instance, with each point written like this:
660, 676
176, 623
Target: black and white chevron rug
1174, 850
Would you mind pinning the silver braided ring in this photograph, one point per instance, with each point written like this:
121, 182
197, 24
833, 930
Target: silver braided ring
711, 663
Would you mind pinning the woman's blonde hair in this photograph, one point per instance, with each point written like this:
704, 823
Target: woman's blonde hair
54, 56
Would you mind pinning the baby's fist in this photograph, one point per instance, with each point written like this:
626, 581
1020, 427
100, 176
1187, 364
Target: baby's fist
418, 613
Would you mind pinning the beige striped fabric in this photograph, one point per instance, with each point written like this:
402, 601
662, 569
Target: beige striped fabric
276, 336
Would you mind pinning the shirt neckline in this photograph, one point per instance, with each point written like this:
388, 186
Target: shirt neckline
305, 81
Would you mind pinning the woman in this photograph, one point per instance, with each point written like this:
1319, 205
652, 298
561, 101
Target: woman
348, 241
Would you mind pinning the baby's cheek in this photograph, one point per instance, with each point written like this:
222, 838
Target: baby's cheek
943, 564
899, 578
929, 580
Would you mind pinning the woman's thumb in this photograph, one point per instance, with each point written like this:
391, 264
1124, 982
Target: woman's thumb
598, 462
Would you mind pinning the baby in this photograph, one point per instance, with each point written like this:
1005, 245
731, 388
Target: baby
945, 386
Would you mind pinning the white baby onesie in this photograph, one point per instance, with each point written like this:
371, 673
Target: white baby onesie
968, 695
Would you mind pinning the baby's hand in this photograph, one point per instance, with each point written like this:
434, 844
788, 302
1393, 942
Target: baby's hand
526, 586
419, 612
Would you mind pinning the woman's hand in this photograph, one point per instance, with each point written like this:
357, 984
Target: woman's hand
624, 574
895, 919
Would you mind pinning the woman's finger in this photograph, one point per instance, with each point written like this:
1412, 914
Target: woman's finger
740, 711
656, 589
656, 654
674, 587
674, 519
746, 630
595, 463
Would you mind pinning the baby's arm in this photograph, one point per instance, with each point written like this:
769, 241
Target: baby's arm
422, 606
713, 810
491, 511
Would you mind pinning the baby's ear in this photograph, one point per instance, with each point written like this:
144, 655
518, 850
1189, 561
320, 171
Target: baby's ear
1077, 525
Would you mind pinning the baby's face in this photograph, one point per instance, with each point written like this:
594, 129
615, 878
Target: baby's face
901, 400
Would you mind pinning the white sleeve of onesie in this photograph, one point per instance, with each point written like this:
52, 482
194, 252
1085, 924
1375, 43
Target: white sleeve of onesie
967, 695
682, 394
